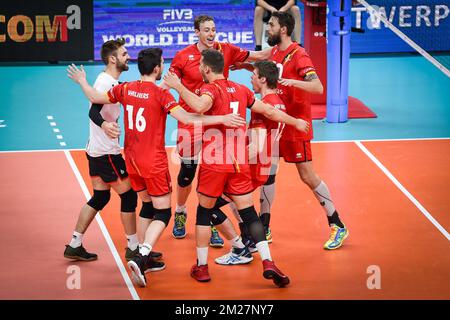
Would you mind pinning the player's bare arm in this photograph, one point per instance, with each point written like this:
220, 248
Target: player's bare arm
259, 55
229, 120
79, 76
243, 65
279, 116
198, 104
311, 83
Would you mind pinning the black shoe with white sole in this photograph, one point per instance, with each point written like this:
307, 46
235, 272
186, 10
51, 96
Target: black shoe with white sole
154, 265
79, 253
137, 266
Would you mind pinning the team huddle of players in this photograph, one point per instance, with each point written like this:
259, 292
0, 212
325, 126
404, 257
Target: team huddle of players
233, 160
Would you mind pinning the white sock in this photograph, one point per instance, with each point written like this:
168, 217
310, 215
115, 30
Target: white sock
263, 250
132, 241
237, 243
323, 195
180, 209
235, 211
202, 256
266, 196
145, 249
77, 238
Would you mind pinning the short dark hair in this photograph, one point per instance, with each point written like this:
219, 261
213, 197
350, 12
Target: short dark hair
268, 70
200, 19
148, 59
109, 48
213, 59
285, 19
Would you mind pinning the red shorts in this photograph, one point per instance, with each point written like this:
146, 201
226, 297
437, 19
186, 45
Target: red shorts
259, 174
158, 185
189, 142
214, 183
295, 151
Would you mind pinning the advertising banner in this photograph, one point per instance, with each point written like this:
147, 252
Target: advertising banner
42, 30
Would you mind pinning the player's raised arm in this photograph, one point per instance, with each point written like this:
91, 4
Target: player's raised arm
229, 120
79, 76
279, 116
198, 104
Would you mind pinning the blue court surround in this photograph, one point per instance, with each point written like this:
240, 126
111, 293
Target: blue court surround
409, 95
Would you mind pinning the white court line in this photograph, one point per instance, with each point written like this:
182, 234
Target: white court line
173, 146
404, 190
103, 228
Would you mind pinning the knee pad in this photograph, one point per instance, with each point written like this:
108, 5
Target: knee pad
128, 201
249, 215
220, 203
187, 173
203, 216
100, 199
147, 210
270, 180
163, 215
218, 217
253, 224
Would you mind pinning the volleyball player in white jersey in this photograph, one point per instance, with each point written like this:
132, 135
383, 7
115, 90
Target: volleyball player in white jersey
106, 165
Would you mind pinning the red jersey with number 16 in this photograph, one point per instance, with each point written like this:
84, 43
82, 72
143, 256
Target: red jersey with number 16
146, 107
225, 149
294, 63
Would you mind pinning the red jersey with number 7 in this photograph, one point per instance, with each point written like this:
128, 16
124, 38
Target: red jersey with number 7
225, 149
146, 107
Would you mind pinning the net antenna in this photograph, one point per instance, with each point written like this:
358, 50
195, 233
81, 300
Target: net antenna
374, 12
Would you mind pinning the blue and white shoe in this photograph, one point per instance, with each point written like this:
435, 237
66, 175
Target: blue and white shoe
179, 227
235, 256
215, 241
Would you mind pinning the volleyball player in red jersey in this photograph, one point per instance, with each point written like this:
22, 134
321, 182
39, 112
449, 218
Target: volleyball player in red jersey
263, 149
224, 167
185, 65
146, 107
298, 80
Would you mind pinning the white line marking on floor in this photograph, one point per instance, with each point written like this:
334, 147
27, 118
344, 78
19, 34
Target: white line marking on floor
404, 190
56, 130
2, 125
103, 228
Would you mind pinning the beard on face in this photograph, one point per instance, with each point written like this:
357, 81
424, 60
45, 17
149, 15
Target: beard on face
274, 39
122, 66
159, 76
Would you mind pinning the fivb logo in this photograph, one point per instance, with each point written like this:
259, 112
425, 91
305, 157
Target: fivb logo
20, 28
177, 14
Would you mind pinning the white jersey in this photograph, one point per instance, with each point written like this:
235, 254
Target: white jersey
99, 143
